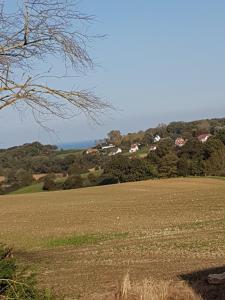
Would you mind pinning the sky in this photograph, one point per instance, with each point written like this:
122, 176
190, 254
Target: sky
160, 61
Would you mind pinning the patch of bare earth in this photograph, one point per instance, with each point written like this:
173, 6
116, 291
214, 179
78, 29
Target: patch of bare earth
173, 227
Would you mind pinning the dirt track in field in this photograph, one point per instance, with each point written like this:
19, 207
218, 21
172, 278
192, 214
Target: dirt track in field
172, 227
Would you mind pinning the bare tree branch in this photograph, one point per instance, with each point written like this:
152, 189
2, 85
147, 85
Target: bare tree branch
37, 30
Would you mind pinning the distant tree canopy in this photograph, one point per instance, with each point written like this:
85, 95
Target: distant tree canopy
220, 134
194, 158
20, 178
114, 137
38, 158
125, 169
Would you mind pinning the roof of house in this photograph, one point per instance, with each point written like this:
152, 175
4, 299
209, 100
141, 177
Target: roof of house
180, 141
134, 145
204, 136
92, 150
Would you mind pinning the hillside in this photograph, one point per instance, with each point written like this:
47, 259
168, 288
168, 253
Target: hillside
179, 149
81, 241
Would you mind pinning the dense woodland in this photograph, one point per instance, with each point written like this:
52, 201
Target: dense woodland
66, 169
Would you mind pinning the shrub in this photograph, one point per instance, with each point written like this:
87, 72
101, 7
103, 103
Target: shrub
125, 169
73, 182
108, 180
156, 290
168, 165
183, 167
24, 178
49, 183
17, 284
7, 267
92, 179
18, 178
75, 169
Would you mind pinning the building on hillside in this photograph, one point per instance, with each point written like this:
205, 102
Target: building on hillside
134, 148
115, 151
107, 146
180, 142
156, 138
92, 151
204, 137
152, 148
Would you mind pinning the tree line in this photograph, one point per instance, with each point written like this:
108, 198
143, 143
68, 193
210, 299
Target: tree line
18, 164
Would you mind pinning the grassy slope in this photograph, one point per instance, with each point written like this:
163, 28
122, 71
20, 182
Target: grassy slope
87, 238
37, 187
64, 153
34, 188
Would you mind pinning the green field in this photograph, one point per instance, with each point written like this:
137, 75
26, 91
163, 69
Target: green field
64, 153
33, 188
82, 241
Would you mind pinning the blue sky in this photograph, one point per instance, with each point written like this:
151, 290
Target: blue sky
161, 61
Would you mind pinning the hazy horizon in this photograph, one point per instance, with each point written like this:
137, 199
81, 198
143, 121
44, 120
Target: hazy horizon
88, 142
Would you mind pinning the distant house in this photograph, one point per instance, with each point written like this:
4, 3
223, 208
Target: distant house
152, 148
204, 137
134, 148
180, 142
92, 151
156, 138
107, 146
115, 152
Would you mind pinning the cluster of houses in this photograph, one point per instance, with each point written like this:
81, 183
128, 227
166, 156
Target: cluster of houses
113, 150
180, 142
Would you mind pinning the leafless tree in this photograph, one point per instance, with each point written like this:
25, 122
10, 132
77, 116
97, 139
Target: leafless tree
33, 32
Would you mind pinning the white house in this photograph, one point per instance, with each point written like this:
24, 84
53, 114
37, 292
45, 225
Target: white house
180, 142
115, 152
204, 137
157, 138
107, 146
134, 148
152, 148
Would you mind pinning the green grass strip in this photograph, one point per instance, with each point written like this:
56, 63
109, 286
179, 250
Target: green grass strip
86, 239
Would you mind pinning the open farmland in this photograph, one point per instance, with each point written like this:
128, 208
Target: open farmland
82, 241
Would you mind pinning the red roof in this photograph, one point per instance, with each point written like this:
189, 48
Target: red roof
180, 141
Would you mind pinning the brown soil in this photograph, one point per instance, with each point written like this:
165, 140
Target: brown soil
174, 227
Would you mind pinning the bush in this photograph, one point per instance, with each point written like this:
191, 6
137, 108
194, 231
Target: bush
125, 169
108, 180
49, 183
15, 283
168, 165
156, 290
18, 178
92, 179
73, 182
183, 167
75, 169
7, 267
